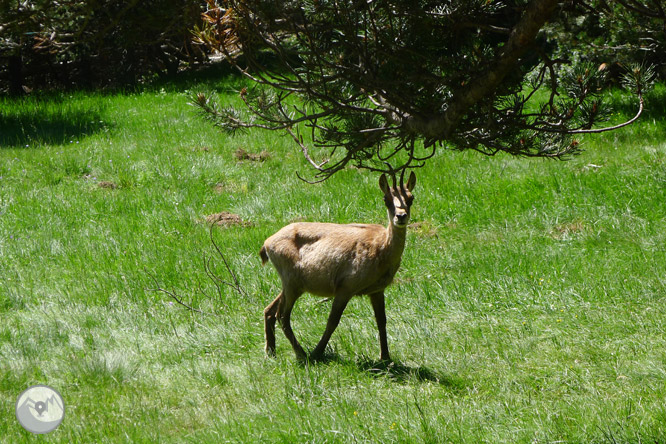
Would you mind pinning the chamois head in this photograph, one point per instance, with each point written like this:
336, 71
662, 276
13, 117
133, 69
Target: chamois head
398, 199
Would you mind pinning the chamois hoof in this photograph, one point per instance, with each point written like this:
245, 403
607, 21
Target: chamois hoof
316, 357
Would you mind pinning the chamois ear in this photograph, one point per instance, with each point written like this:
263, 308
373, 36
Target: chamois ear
411, 183
383, 184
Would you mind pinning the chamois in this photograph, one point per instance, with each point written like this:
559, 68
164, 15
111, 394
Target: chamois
337, 261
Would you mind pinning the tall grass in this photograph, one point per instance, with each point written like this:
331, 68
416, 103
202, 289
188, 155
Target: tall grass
529, 306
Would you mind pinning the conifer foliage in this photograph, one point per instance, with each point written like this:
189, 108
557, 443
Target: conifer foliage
383, 84
93, 43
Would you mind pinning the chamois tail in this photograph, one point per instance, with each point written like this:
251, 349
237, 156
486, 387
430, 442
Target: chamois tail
264, 256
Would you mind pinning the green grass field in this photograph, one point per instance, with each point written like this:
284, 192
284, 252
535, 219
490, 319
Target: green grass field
529, 307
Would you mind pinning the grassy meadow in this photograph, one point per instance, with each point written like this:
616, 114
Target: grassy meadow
529, 307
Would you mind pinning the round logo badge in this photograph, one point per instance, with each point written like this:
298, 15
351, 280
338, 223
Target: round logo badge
40, 409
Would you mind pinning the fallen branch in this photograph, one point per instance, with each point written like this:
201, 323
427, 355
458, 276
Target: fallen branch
217, 281
175, 296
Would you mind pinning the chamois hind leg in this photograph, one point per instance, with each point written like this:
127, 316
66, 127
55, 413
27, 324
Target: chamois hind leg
270, 316
284, 315
339, 305
377, 301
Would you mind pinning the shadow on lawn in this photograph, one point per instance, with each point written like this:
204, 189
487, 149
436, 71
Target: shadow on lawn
403, 373
397, 371
655, 105
52, 121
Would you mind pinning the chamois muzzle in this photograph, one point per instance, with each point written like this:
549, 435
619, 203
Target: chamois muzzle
401, 219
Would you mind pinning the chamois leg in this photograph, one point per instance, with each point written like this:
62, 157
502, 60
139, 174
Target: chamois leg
339, 304
284, 315
377, 301
270, 316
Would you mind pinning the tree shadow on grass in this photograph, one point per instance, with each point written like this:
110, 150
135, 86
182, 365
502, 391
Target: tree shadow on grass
655, 106
52, 122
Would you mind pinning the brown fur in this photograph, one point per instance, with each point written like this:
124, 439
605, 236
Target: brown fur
337, 261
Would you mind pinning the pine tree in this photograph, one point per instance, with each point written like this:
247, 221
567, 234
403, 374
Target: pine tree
384, 84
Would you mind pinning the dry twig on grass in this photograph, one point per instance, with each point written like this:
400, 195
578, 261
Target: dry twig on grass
215, 278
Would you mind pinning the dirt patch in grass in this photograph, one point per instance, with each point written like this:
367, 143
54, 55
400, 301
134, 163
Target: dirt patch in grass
230, 187
424, 228
226, 219
220, 187
241, 154
107, 184
565, 231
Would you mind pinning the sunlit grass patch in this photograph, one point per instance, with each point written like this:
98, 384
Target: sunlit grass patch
528, 308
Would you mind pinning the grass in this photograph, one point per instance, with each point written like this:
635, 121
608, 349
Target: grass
529, 306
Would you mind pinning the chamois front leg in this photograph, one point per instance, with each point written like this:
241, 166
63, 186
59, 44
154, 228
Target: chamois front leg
378, 306
339, 305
